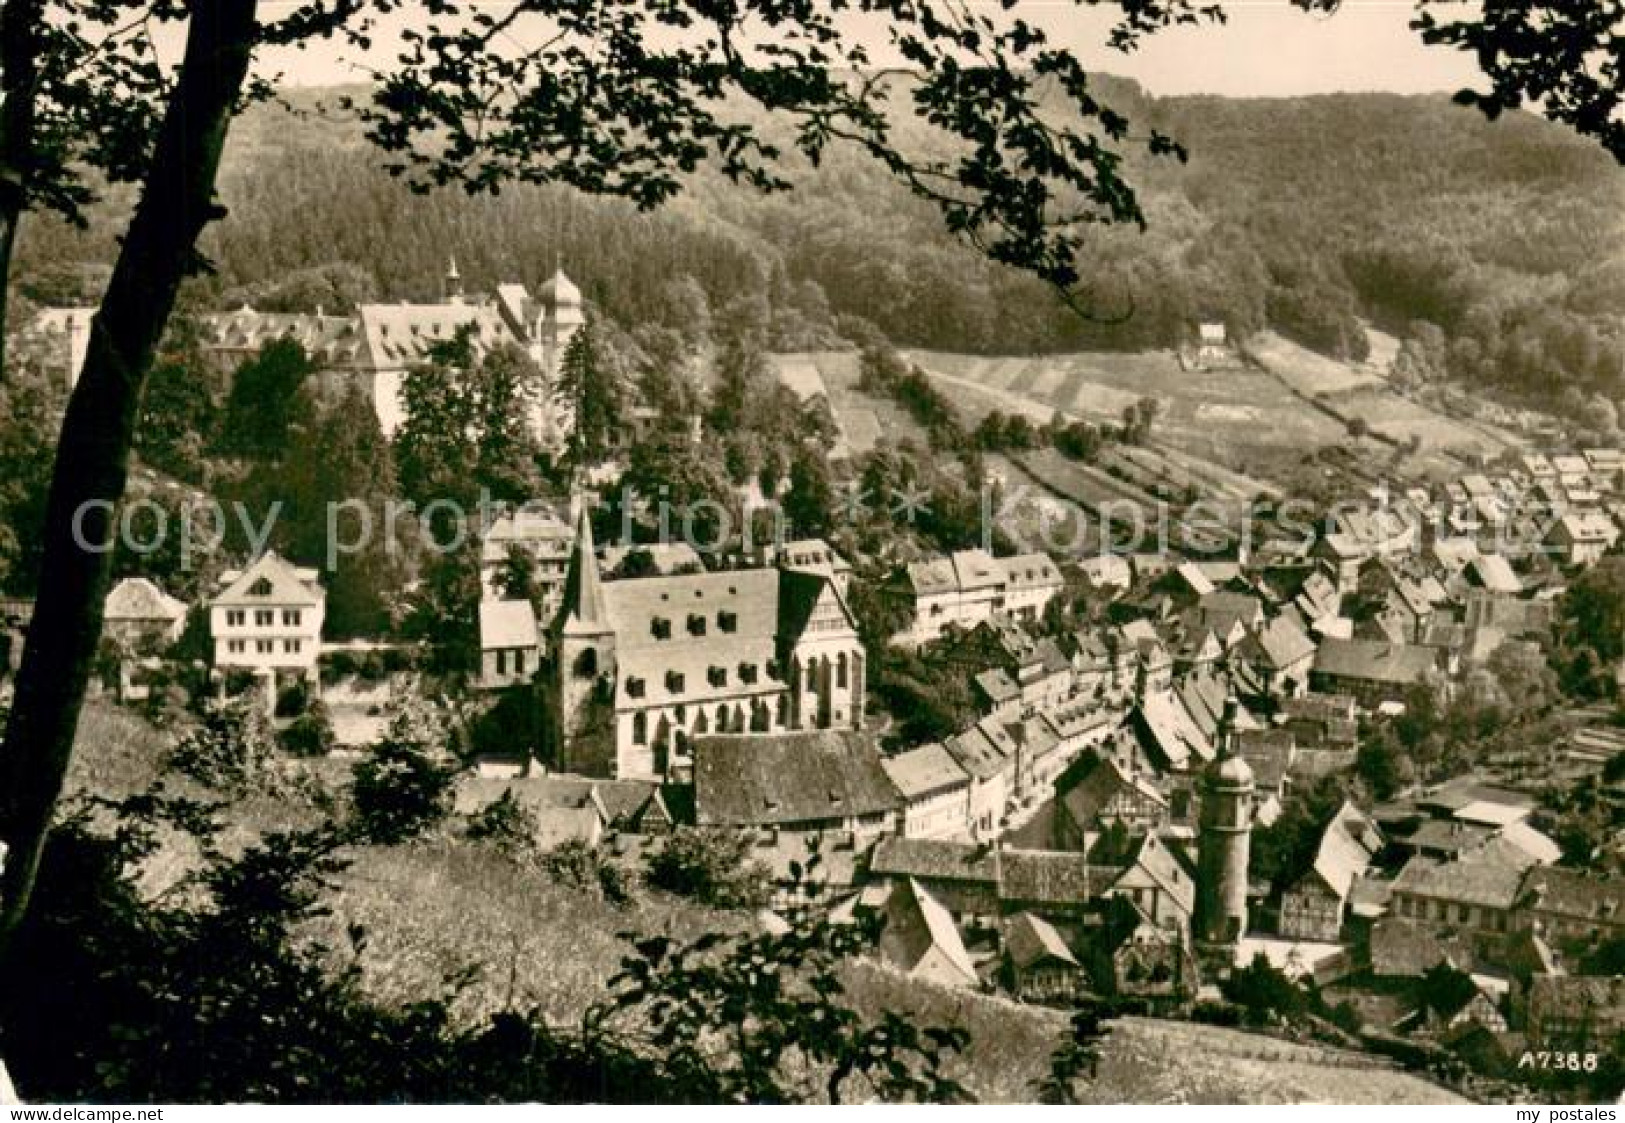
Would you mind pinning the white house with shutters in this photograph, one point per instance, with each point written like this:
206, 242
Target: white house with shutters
267, 619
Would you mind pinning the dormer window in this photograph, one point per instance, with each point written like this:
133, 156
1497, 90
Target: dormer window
717, 676
696, 624
260, 588
674, 682
728, 621
660, 628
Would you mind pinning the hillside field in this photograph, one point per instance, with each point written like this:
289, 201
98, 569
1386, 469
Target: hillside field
1245, 417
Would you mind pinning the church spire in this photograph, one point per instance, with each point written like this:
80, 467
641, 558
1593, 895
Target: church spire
584, 611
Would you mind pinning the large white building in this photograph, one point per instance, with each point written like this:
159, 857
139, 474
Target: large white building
970, 586
267, 619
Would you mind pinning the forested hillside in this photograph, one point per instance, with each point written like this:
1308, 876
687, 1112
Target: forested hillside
1306, 214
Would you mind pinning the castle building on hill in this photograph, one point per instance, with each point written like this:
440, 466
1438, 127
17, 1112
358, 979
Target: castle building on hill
377, 346
398, 337
665, 659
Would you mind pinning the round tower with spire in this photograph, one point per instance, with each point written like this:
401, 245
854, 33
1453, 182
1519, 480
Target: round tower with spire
560, 315
454, 283
1226, 821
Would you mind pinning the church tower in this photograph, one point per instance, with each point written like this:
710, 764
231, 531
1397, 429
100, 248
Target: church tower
1226, 820
454, 283
561, 315
584, 649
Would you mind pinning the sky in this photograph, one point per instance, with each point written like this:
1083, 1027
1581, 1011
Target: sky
1267, 49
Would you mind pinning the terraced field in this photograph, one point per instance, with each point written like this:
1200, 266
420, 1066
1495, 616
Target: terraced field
1220, 415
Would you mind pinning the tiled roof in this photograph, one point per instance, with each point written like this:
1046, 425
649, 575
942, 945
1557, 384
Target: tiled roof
136, 598
982, 750
934, 860
1374, 661
1049, 877
1347, 846
1030, 939
924, 771
1281, 643
287, 584
1172, 732
789, 778
1571, 893
915, 923
507, 624
1026, 571
1086, 788
1479, 879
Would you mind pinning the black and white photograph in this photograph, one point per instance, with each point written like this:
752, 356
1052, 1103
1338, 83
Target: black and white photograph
812, 552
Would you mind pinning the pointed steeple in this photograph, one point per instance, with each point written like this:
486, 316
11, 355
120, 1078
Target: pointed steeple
584, 611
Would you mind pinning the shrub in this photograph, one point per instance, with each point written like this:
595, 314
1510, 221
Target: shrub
310, 734
579, 864
506, 824
404, 787
713, 866
228, 748
293, 699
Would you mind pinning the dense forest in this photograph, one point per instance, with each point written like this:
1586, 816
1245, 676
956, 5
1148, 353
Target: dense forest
1496, 249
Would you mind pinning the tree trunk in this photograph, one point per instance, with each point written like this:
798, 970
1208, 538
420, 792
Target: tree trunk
92, 459
19, 83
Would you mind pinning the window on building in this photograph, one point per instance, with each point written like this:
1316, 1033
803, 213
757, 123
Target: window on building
696, 624
660, 628
264, 618
264, 646
236, 618
292, 646
260, 588
728, 621
674, 682
519, 662
717, 676
236, 646
747, 672
290, 617
635, 687
640, 728
840, 671
502, 662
